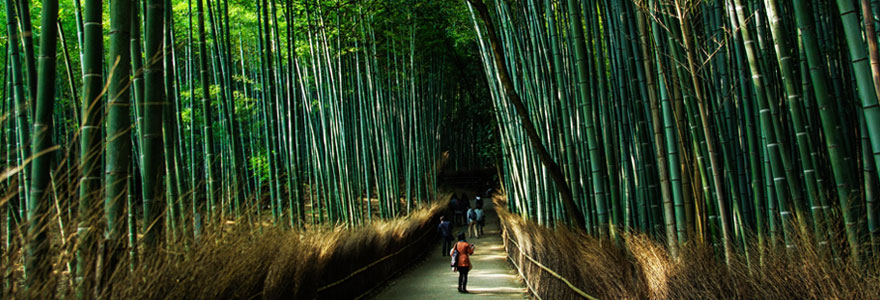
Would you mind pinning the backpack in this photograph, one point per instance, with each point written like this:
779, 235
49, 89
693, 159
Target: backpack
454, 262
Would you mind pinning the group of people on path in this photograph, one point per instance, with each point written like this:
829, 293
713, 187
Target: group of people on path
473, 217
462, 250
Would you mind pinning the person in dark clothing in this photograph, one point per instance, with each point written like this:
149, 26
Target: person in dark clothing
445, 230
459, 210
481, 221
453, 207
463, 267
478, 203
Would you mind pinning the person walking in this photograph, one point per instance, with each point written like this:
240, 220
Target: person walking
460, 208
472, 222
453, 206
463, 264
478, 202
481, 220
445, 230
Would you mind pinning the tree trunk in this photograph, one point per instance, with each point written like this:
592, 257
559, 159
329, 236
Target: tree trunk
571, 208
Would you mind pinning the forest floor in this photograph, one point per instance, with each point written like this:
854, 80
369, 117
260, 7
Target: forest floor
432, 278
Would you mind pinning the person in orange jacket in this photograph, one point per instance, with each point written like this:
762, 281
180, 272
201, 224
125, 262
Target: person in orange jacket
463, 266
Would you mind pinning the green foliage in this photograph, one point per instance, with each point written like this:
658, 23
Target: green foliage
351, 117
259, 165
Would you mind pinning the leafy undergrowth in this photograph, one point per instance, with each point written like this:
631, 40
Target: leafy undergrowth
639, 267
242, 263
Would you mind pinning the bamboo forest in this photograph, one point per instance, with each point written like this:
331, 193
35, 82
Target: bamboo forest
327, 149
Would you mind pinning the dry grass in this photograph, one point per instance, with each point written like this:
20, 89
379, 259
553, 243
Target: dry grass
241, 263
638, 267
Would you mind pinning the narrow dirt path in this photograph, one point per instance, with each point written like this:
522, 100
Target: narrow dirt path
491, 277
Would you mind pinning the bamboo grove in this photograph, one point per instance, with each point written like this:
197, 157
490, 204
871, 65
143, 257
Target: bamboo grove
470, 133
745, 124
129, 127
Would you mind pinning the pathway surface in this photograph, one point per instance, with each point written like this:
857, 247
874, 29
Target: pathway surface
432, 278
